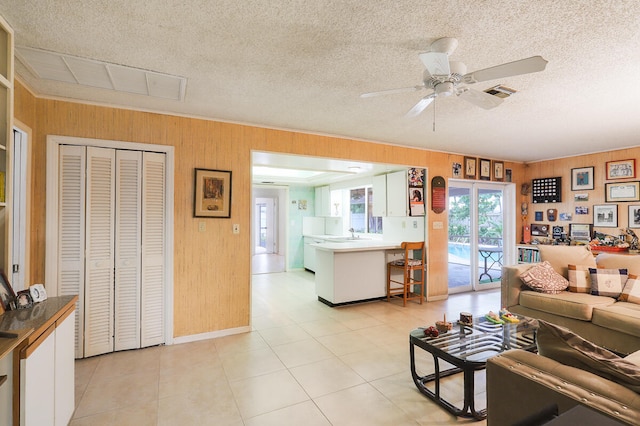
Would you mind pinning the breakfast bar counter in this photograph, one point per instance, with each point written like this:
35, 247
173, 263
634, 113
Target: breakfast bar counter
352, 271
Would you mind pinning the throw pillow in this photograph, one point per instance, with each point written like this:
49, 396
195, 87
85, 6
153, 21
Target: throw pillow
608, 282
561, 256
631, 291
566, 347
543, 278
579, 279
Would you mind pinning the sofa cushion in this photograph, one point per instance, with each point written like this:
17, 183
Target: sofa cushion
579, 278
566, 347
631, 291
561, 256
571, 305
608, 282
542, 277
619, 316
617, 261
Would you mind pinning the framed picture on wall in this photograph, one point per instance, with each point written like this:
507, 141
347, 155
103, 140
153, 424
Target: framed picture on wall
470, 167
616, 192
582, 179
605, 215
622, 169
634, 216
498, 171
212, 193
485, 169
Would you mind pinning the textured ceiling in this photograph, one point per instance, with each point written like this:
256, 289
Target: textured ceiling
301, 65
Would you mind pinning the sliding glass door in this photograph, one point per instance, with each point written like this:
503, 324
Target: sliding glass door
477, 233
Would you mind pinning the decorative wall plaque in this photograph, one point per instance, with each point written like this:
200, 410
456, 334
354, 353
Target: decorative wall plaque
547, 190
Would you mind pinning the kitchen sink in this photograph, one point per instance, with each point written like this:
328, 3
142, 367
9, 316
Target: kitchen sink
346, 239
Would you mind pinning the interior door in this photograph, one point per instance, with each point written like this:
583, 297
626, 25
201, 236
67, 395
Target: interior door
100, 252
128, 249
265, 214
19, 212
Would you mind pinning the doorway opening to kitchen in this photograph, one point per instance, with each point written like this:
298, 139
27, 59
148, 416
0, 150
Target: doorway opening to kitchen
481, 219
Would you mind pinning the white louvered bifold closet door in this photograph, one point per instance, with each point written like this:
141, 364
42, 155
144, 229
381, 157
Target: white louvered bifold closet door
128, 249
71, 231
100, 252
153, 249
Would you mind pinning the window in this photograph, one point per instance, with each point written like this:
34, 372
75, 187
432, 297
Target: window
361, 217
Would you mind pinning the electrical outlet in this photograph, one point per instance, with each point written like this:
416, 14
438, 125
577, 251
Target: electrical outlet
202, 226
415, 224
236, 228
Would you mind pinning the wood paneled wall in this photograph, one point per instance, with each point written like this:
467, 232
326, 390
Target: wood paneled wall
212, 281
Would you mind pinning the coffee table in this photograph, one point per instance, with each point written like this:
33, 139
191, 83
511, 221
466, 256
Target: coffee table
467, 348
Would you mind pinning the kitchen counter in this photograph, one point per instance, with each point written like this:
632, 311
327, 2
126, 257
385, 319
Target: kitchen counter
352, 271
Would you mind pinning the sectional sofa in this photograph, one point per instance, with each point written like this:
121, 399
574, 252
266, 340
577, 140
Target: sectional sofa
602, 320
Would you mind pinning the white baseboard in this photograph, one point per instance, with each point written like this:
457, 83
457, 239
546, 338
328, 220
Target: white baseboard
210, 335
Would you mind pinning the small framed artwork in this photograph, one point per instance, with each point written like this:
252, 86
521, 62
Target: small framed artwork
582, 179
7, 295
212, 193
456, 170
622, 169
508, 175
634, 216
485, 169
498, 171
565, 216
582, 210
581, 197
24, 299
470, 167
627, 191
539, 216
605, 215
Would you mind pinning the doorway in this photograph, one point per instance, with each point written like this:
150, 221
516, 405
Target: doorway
269, 230
20, 212
477, 234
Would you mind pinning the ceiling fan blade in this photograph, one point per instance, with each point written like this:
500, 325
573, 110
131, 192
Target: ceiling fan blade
481, 99
392, 91
523, 66
436, 63
420, 106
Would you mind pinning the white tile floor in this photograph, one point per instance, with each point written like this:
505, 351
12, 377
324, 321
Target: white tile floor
304, 363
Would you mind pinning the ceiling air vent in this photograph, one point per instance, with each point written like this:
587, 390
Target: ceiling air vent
500, 91
88, 72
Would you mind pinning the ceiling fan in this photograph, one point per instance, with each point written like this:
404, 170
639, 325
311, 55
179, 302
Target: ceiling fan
446, 78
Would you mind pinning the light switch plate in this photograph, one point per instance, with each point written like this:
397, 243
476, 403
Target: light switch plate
236, 228
202, 226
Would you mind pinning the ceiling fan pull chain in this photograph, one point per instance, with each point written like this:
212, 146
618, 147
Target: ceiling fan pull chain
434, 115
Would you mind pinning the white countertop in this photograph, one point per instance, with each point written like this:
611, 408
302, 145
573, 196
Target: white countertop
357, 245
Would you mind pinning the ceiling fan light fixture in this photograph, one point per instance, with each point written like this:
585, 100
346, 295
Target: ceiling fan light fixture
444, 88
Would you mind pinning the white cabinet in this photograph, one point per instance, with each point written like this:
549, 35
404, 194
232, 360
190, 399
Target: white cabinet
309, 254
323, 201
47, 375
397, 194
380, 195
390, 194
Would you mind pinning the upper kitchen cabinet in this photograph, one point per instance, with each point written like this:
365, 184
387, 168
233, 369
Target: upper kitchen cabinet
380, 195
390, 194
323, 201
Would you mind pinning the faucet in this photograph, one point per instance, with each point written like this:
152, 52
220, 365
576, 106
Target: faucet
352, 231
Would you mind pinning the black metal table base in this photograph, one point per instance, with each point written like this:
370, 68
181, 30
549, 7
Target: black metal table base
468, 410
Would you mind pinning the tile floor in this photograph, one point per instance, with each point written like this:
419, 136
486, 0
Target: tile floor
303, 363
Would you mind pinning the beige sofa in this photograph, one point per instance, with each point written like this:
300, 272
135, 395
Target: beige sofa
522, 385
603, 320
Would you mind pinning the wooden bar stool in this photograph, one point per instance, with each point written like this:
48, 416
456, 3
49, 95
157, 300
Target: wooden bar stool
407, 289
